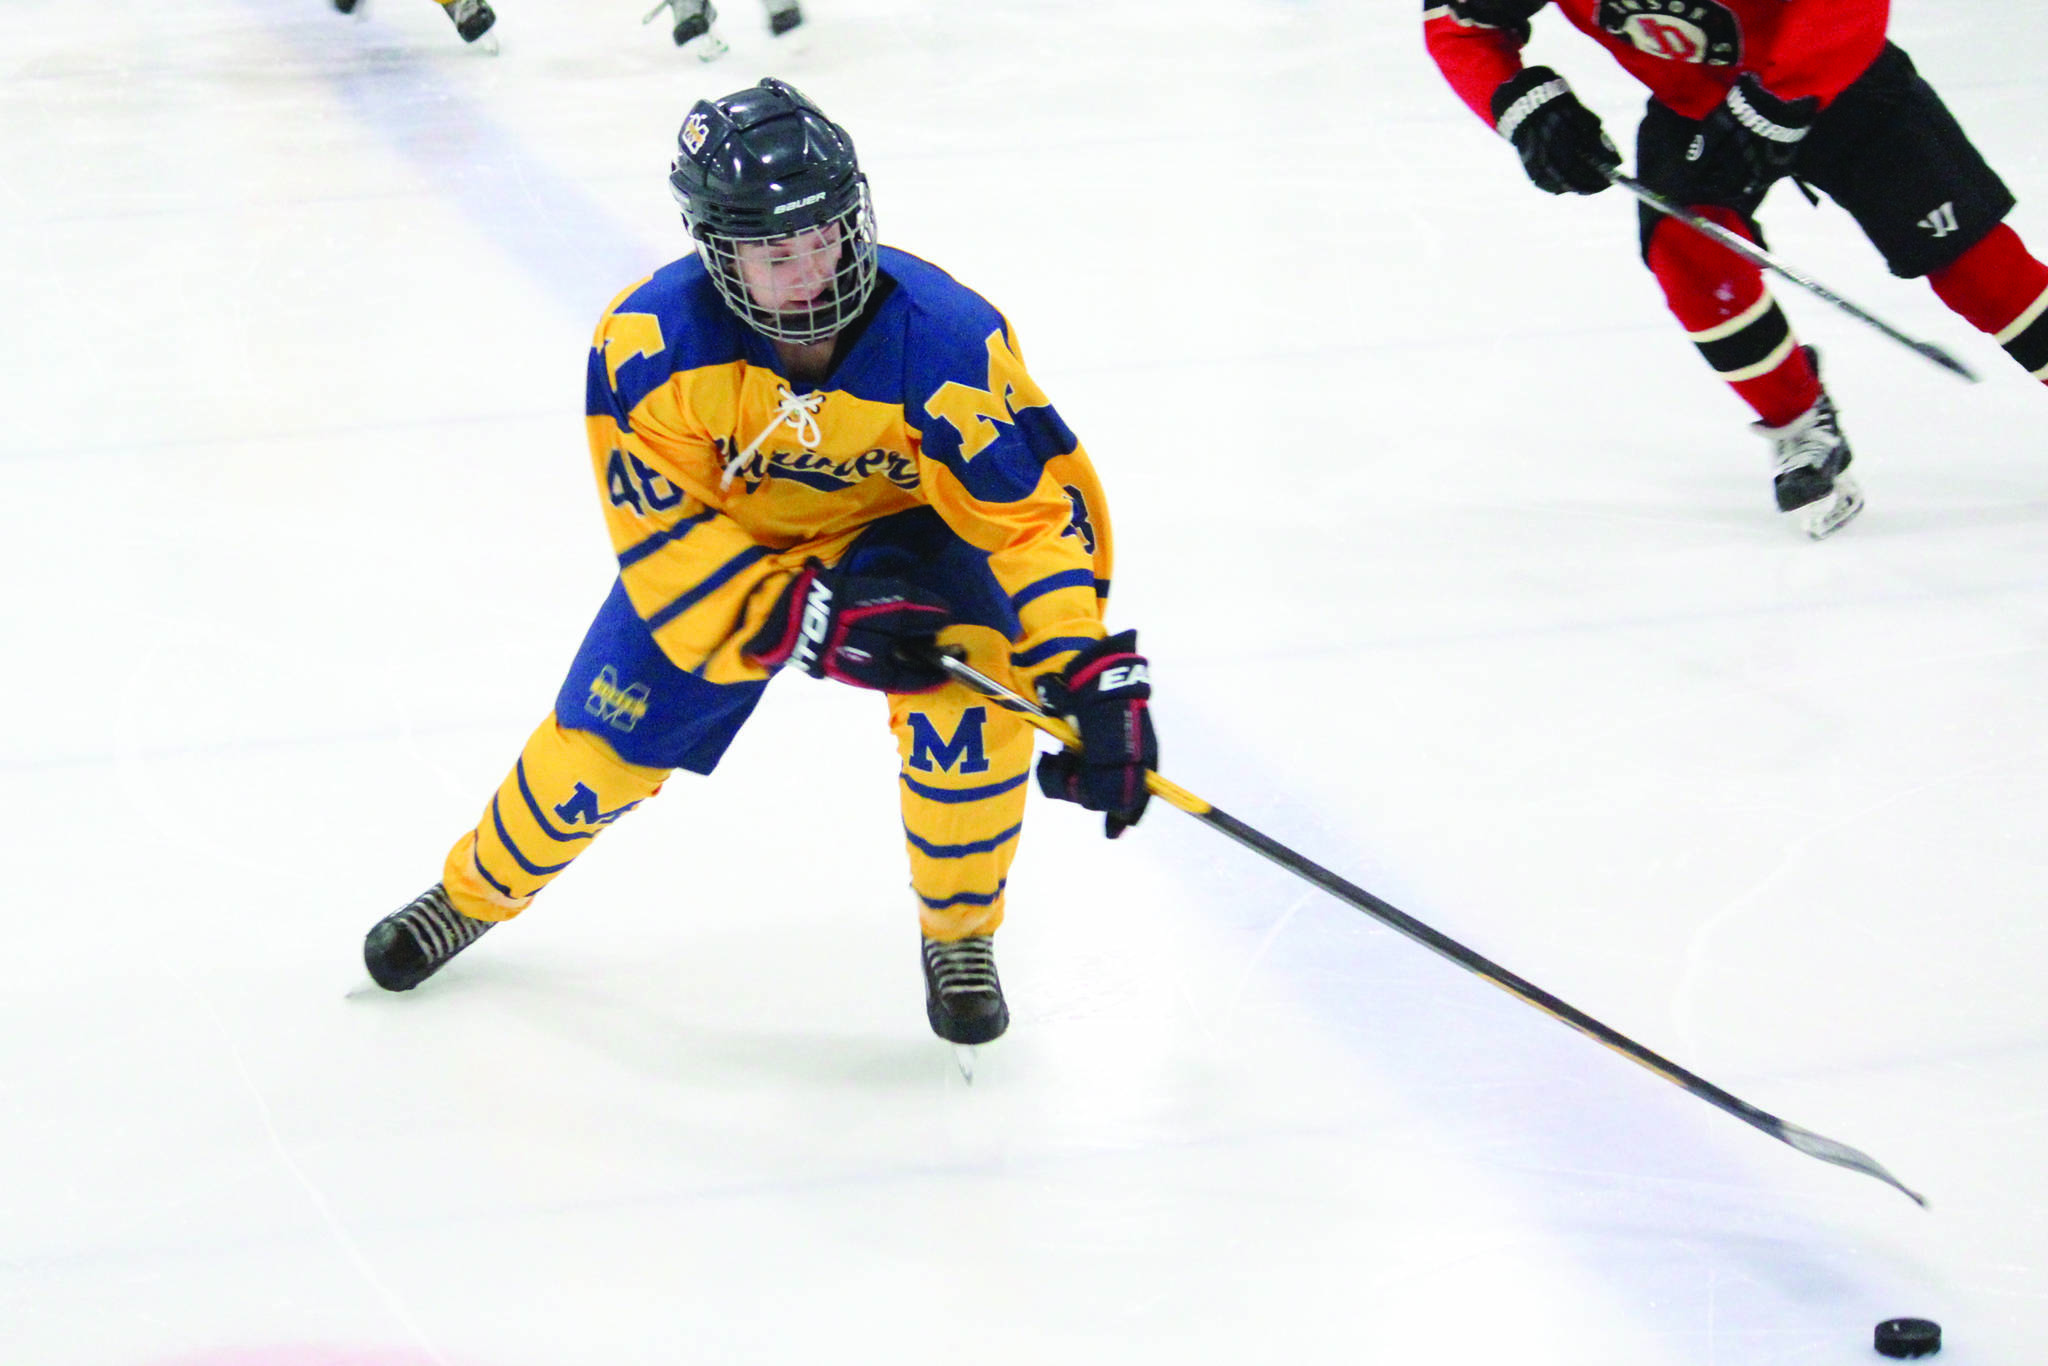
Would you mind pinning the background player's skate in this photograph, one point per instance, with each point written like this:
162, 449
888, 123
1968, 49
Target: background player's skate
692, 28
472, 19
694, 21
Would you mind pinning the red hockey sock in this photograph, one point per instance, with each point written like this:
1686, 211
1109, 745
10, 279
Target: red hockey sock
1720, 300
2003, 290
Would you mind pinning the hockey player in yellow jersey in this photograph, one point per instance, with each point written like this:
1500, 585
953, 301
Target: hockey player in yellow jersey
820, 454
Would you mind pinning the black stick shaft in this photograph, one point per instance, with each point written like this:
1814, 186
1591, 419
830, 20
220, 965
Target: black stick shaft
1756, 255
1805, 1140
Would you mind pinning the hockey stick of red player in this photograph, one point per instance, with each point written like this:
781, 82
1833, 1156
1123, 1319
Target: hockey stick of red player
1805, 1140
1756, 255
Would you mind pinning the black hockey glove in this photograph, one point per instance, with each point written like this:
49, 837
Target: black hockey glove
1562, 145
1105, 693
1748, 143
870, 632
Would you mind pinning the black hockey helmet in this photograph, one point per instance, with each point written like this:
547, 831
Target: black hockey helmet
764, 164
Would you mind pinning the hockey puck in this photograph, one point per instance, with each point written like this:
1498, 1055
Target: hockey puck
1908, 1338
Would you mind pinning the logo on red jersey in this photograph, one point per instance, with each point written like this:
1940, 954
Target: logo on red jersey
1697, 31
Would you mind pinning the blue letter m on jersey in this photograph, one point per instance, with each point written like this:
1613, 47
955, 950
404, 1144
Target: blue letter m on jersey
964, 749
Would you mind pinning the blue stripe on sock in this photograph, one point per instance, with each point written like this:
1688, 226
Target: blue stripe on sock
505, 836
964, 794
477, 860
966, 898
961, 850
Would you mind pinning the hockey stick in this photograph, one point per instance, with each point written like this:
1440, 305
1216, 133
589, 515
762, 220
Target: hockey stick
1805, 1140
1756, 255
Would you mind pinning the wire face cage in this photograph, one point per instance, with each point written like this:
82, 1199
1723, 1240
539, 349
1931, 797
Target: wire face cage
800, 287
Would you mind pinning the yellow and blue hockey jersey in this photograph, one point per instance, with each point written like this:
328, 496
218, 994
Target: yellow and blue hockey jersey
721, 476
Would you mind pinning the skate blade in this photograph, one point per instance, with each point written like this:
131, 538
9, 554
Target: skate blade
709, 48
963, 1058
486, 43
1824, 518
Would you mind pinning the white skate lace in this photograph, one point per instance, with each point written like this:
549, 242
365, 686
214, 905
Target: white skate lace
963, 967
438, 928
799, 411
1805, 442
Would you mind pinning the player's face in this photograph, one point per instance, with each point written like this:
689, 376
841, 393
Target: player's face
790, 273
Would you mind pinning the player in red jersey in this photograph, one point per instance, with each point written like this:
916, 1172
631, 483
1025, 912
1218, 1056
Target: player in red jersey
1742, 94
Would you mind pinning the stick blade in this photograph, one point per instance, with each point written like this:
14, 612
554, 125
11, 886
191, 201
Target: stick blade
1945, 360
1842, 1155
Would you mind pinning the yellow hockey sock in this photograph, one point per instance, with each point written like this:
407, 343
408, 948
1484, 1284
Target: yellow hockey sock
966, 772
567, 787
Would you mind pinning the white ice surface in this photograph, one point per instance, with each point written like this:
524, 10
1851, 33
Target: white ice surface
1459, 575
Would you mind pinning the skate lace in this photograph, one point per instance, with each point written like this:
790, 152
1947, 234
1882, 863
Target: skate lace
963, 967
799, 411
1807, 441
438, 928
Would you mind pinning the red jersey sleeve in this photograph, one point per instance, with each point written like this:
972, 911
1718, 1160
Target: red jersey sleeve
1478, 47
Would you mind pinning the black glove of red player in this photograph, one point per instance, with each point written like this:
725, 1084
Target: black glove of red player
1105, 693
1562, 145
1748, 143
871, 632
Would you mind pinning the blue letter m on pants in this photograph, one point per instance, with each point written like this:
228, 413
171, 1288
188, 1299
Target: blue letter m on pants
964, 749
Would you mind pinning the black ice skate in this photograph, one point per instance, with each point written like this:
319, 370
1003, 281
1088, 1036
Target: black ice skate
783, 15
692, 30
473, 18
345, 6
963, 998
1809, 457
408, 946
